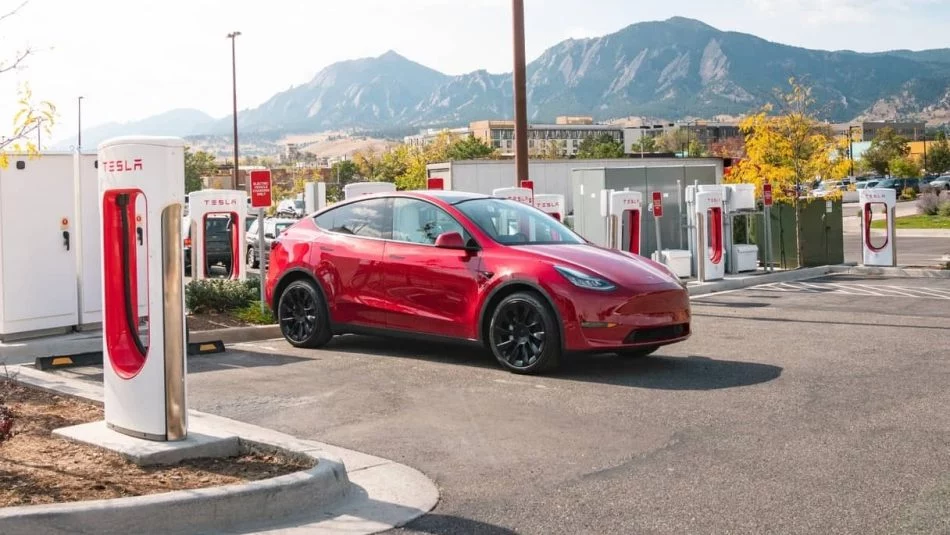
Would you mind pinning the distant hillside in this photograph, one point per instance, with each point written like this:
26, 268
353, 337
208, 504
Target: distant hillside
180, 122
674, 68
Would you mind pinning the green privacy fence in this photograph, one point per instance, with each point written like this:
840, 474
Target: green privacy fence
821, 231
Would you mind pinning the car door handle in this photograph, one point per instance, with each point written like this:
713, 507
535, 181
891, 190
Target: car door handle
397, 257
326, 248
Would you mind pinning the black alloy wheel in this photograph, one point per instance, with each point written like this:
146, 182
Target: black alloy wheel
523, 335
302, 315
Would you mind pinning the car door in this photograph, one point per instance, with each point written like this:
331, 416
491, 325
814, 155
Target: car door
348, 260
429, 289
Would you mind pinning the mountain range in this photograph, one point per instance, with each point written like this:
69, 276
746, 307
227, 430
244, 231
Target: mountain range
672, 69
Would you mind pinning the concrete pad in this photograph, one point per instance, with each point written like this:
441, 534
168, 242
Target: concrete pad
152, 452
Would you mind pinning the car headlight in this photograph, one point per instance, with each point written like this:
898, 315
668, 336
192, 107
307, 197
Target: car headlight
672, 274
584, 280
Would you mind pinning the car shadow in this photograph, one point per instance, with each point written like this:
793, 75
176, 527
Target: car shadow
239, 358
658, 372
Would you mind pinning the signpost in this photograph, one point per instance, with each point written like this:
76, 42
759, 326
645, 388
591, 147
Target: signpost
657, 207
767, 202
435, 183
261, 199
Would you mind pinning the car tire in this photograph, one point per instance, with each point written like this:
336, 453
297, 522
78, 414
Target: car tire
251, 260
302, 315
523, 334
638, 352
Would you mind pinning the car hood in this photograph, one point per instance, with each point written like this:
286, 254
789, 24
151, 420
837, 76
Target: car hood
619, 267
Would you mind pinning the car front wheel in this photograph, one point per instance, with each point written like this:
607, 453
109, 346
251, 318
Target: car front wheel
523, 334
302, 315
251, 260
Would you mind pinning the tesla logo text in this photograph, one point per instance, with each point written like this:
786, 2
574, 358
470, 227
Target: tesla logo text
631, 202
120, 166
548, 205
520, 199
220, 202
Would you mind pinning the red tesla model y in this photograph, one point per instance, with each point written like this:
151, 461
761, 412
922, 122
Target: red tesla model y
463, 266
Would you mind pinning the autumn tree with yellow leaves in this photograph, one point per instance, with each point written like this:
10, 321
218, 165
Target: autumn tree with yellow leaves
789, 150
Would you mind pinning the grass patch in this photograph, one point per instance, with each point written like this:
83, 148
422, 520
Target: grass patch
918, 221
252, 314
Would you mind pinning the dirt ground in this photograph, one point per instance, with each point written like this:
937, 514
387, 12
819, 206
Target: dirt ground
38, 468
210, 322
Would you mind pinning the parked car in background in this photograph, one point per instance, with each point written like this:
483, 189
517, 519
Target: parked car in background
900, 184
273, 227
293, 208
219, 233
941, 183
469, 267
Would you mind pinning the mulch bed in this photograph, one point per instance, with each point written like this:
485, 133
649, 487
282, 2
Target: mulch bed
37, 467
213, 321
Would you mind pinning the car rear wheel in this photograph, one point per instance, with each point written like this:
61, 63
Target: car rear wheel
251, 261
302, 315
523, 334
638, 353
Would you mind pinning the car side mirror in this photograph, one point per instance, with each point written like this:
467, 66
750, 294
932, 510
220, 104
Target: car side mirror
450, 240
269, 235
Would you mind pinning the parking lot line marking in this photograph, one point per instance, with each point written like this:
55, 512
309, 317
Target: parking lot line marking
866, 290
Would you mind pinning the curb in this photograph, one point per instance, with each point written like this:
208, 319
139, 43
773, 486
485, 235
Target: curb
190, 511
755, 280
347, 492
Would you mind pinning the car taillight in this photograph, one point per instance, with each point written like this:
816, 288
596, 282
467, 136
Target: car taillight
187, 242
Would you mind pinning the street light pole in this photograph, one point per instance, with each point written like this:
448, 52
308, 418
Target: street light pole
520, 92
79, 136
232, 36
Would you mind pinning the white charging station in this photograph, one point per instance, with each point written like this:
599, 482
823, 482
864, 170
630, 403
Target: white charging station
218, 207
367, 188
710, 246
141, 192
314, 197
878, 204
551, 203
624, 213
38, 251
525, 195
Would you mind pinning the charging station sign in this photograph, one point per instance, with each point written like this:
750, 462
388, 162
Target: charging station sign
657, 204
261, 189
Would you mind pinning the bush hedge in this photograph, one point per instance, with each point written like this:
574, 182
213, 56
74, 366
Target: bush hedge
221, 295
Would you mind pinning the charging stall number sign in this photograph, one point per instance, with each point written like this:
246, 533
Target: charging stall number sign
657, 204
261, 189
767, 194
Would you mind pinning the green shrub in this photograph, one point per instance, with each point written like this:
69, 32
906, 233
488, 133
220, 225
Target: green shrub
252, 314
908, 194
928, 204
944, 210
221, 295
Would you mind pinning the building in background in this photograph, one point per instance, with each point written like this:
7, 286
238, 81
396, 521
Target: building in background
427, 136
707, 132
912, 131
567, 137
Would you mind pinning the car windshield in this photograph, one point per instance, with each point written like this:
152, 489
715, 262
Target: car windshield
887, 183
515, 223
279, 228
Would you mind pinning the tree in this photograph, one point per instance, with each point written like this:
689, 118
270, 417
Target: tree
789, 150
885, 148
31, 116
938, 160
344, 172
197, 165
904, 167
599, 147
673, 140
469, 148
646, 144
550, 149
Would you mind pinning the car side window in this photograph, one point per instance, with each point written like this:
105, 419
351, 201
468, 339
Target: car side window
416, 221
371, 218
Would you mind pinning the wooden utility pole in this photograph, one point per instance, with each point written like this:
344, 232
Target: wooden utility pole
521, 94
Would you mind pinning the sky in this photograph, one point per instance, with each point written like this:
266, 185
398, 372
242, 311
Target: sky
131, 59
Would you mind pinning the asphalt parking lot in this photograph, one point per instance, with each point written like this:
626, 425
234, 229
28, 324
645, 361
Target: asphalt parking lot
811, 407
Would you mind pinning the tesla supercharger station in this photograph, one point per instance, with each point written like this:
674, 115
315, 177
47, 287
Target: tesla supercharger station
141, 189
551, 204
211, 203
314, 197
878, 251
710, 246
367, 188
624, 213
